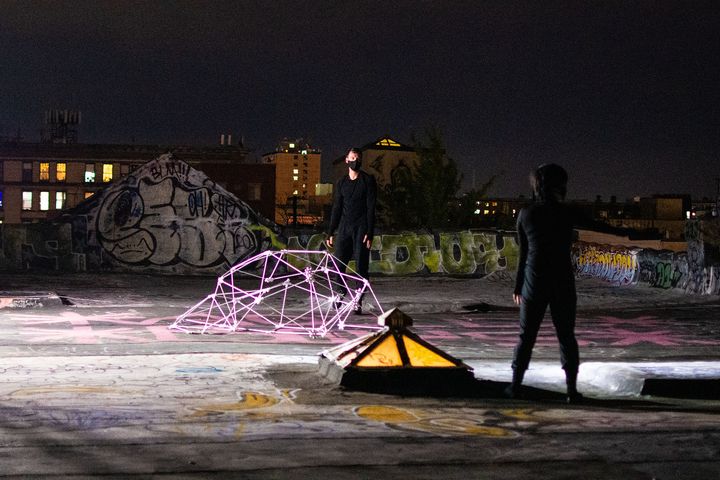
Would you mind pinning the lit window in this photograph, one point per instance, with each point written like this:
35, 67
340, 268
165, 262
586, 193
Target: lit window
61, 172
60, 200
27, 200
89, 172
295, 177
292, 145
304, 152
44, 200
486, 212
107, 172
295, 192
296, 171
1, 199
44, 172
89, 194
477, 212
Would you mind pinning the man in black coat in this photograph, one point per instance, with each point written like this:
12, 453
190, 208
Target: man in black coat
353, 216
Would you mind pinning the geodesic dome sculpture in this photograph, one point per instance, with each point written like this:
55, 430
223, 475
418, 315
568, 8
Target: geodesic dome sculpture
286, 291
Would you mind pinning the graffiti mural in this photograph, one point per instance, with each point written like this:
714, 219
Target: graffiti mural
171, 218
614, 264
469, 252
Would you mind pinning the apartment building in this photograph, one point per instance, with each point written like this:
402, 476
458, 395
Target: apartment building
299, 195
37, 180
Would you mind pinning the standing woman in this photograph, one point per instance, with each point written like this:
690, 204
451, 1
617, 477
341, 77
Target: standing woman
546, 276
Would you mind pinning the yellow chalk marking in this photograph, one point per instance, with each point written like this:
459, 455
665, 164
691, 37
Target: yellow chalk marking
381, 413
249, 401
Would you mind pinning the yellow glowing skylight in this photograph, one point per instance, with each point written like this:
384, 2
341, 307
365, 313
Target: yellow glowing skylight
388, 142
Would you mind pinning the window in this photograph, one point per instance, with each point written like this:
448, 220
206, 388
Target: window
89, 194
44, 200
124, 170
61, 172
27, 200
107, 172
295, 171
27, 172
254, 191
1, 200
89, 173
60, 200
44, 172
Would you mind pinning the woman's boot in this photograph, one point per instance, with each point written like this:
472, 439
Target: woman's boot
513, 390
573, 396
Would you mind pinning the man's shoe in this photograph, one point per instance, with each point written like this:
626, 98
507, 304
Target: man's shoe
512, 391
358, 310
574, 398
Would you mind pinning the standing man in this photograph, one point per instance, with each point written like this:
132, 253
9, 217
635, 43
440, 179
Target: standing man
353, 216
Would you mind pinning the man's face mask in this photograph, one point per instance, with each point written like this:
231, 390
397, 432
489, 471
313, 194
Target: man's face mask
354, 165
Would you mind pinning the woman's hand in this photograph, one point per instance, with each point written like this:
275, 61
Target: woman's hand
517, 299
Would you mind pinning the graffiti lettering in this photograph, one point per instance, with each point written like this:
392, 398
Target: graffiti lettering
618, 266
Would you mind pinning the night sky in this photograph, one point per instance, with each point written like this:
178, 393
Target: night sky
624, 94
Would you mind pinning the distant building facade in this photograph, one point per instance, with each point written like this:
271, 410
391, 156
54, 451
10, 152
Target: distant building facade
299, 195
384, 157
39, 179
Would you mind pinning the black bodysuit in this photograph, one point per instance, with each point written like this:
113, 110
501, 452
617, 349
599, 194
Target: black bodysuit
546, 277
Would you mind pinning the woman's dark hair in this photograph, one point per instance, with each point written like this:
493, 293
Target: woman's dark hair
549, 182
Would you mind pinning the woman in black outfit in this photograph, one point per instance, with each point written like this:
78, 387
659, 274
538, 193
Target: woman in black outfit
546, 276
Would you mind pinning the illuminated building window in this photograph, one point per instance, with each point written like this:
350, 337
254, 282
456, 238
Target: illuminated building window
89, 194
295, 171
89, 173
60, 200
477, 212
27, 200
27, 172
44, 171
107, 172
486, 212
44, 200
1, 199
304, 152
292, 145
295, 192
61, 172
295, 177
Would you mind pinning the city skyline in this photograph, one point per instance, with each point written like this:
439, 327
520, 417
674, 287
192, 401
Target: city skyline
624, 96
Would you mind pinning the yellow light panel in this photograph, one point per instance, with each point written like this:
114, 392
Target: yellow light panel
386, 354
421, 356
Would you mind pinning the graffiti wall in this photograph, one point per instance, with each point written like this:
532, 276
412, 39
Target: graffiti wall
696, 271
470, 252
618, 265
165, 217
